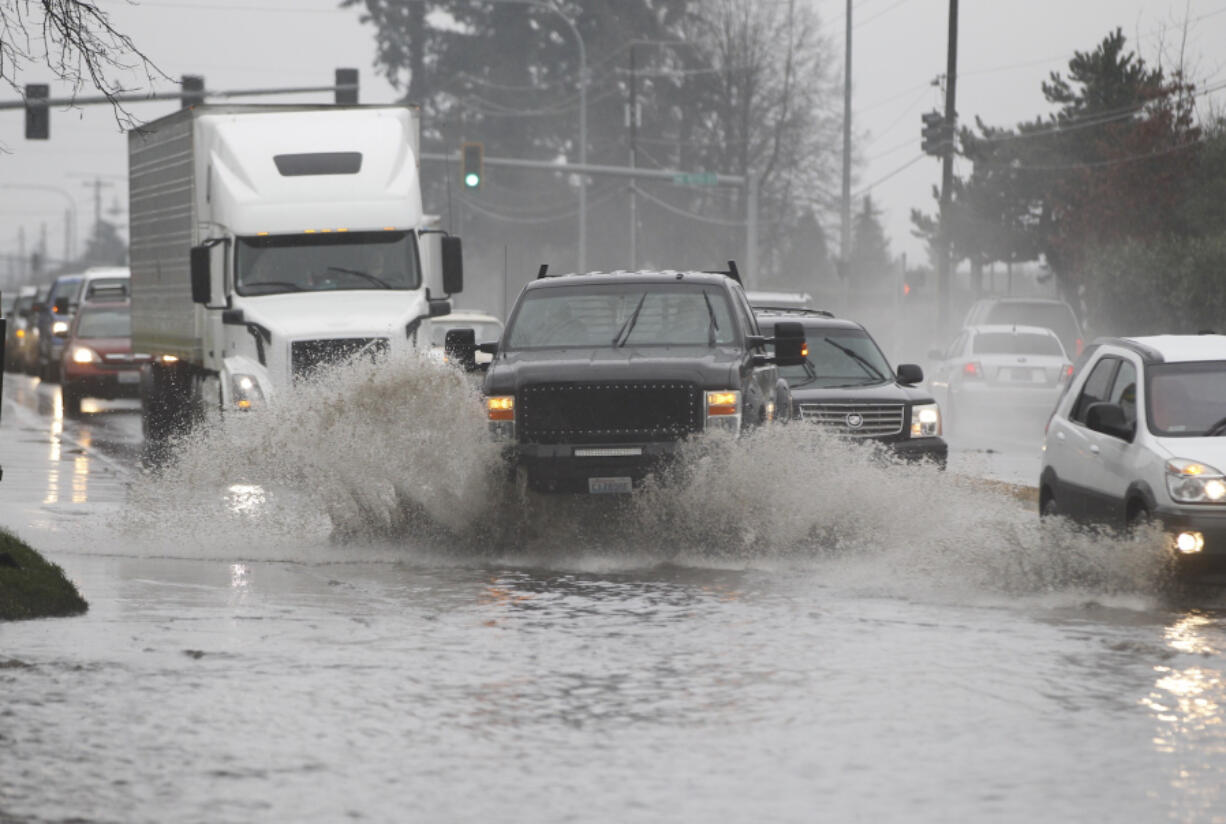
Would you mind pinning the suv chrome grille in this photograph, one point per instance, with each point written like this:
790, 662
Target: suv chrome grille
603, 412
307, 356
875, 420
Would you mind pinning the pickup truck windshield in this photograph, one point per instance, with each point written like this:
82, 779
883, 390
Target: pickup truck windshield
323, 262
622, 314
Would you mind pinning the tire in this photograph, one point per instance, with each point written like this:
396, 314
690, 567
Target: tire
71, 397
1049, 508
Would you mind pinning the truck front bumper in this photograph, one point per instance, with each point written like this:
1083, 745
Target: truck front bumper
590, 468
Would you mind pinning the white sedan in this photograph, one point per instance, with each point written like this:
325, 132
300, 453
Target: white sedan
999, 376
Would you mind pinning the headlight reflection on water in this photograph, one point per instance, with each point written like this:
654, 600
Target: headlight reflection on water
246, 499
1187, 702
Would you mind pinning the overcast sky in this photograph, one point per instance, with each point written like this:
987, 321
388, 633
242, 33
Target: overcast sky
1006, 48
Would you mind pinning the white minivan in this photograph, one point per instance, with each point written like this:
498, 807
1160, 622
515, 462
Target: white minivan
1140, 434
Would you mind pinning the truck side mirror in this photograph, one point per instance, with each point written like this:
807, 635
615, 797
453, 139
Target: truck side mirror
790, 349
201, 264
453, 265
460, 347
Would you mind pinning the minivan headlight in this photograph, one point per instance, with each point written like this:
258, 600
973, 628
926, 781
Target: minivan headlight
925, 420
1192, 482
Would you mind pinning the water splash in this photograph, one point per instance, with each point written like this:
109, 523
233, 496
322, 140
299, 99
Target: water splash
398, 453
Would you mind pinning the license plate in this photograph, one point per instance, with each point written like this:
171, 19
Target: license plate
609, 486
1021, 373
129, 377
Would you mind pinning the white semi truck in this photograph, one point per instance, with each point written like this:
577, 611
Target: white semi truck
269, 241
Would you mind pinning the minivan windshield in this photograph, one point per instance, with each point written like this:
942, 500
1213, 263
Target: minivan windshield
1186, 399
315, 262
622, 314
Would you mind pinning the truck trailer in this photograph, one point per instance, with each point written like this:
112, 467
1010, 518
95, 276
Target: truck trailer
268, 242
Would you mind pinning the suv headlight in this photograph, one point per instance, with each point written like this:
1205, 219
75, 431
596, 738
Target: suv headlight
1191, 482
723, 410
59, 327
925, 421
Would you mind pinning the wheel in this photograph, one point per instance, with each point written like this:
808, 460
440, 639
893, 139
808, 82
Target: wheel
71, 396
1048, 508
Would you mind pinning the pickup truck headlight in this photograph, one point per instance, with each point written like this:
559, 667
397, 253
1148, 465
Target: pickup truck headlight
246, 391
500, 412
723, 408
1191, 482
925, 421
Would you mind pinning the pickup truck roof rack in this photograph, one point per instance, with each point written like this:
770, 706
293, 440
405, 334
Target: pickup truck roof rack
731, 272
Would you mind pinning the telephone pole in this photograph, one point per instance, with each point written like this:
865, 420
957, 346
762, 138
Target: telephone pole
845, 238
947, 170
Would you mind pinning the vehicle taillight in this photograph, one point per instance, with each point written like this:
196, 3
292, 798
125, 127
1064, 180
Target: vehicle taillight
972, 369
1080, 345
1066, 372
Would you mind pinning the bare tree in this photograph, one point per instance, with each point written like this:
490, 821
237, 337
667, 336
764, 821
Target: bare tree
76, 40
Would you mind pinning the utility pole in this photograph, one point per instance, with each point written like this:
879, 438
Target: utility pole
632, 118
845, 239
97, 184
947, 170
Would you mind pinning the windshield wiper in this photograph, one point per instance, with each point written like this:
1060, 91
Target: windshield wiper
714, 325
370, 277
628, 326
281, 285
858, 358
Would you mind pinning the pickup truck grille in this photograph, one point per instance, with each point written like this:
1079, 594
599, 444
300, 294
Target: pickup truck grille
604, 413
308, 356
859, 420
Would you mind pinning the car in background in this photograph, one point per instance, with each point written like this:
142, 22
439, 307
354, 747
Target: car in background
29, 345
994, 375
54, 317
486, 328
1140, 436
17, 330
97, 360
102, 283
846, 384
1049, 313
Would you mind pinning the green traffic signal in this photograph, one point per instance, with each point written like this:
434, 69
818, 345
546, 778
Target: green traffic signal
471, 159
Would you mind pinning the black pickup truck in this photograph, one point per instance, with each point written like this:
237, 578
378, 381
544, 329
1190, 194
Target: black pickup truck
598, 377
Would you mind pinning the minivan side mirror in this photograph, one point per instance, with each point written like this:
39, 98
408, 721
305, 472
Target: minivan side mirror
910, 373
61, 305
1109, 419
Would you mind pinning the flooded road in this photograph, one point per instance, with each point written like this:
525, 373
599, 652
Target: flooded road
338, 613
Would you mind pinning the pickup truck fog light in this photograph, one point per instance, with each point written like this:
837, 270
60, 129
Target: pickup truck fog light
1189, 543
83, 354
723, 410
246, 391
925, 421
1190, 482
500, 412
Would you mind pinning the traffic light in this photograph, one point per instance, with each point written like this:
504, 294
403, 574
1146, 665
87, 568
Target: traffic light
346, 87
938, 135
38, 120
472, 158
191, 90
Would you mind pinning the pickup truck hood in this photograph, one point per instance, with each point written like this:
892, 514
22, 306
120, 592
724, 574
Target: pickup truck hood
709, 368
335, 314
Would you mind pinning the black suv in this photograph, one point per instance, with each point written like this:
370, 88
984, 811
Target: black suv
846, 383
598, 377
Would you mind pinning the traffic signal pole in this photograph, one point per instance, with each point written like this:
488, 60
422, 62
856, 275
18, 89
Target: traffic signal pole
947, 171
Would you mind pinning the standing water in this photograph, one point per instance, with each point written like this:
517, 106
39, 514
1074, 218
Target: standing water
341, 609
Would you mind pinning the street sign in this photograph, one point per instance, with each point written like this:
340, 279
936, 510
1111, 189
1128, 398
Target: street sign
696, 179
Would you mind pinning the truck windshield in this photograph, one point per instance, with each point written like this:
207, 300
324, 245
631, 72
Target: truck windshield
626, 314
323, 262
